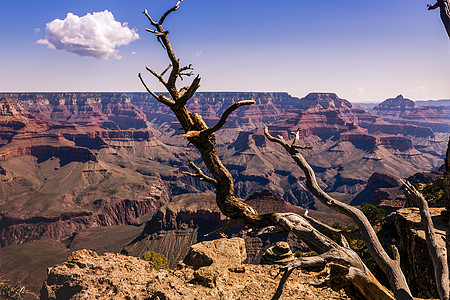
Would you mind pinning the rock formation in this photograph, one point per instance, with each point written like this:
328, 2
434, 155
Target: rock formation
382, 190
212, 270
101, 159
414, 251
188, 218
402, 110
279, 254
59, 178
341, 135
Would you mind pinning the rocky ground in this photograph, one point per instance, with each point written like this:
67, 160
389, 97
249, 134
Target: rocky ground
212, 270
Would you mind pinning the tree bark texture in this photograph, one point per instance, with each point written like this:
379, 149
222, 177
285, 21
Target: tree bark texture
438, 254
444, 7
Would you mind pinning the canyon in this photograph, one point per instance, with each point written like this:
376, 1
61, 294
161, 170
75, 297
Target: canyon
103, 171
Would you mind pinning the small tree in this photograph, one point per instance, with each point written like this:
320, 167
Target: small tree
10, 291
158, 260
345, 267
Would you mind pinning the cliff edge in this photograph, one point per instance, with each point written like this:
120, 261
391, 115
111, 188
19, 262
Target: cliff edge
211, 270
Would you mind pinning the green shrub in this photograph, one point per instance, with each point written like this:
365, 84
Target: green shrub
373, 213
11, 291
158, 260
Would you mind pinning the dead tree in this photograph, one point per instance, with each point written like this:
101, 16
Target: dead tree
444, 7
438, 254
345, 267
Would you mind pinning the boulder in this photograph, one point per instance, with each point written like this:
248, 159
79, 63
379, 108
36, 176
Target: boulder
212, 260
221, 252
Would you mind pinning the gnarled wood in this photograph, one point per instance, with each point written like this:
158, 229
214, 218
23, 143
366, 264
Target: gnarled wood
391, 267
351, 268
444, 7
438, 254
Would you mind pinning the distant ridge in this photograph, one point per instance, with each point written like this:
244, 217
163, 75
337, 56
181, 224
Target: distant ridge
442, 102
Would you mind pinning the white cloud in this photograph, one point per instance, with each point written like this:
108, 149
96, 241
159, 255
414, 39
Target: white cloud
37, 30
95, 35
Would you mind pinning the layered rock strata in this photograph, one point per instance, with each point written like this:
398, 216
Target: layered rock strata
402, 110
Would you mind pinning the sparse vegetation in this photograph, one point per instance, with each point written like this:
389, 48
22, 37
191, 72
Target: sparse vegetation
10, 291
158, 260
432, 191
373, 213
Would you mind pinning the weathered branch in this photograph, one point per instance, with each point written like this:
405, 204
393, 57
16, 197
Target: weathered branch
176, 7
225, 115
330, 253
433, 6
189, 67
329, 229
166, 69
344, 242
160, 78
156, 32
222, 121
391, 267
161, 35
200, 175
269, 229
186, 94
150, 18
438, 254
161, 98
444, 8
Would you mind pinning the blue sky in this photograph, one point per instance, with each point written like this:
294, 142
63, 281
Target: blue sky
361, 50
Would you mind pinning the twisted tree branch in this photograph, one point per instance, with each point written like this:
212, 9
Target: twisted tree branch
176, 7
200, 175
327, 228
161, 98
225, 115
160, 78
166, 69
444, 8
438, 254
187, 93
391, 267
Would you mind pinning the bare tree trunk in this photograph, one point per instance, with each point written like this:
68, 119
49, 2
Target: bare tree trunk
438, 254
444, 7
447, 197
